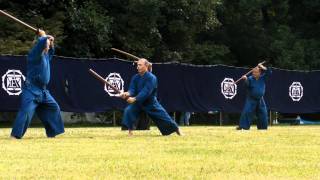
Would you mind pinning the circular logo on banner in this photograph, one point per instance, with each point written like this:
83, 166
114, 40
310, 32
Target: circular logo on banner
12, 82
296, 91
116, 81
228, 88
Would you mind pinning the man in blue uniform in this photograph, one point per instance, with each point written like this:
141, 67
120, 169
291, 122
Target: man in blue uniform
35, 96
255, 85
142, 96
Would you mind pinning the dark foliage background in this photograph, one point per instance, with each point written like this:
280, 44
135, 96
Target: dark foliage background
233, 32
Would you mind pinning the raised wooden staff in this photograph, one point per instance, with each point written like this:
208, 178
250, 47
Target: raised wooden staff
247, 73
135, 58
18, 21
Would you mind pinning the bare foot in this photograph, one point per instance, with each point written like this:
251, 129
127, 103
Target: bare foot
13, 137
178, 132
130, 133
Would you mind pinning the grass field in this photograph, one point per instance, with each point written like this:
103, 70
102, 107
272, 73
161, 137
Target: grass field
208, 152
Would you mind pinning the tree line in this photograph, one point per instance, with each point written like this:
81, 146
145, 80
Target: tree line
232, 32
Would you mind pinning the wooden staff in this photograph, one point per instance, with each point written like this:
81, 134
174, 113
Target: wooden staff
247, 73
18, 21
136, 58
97, 76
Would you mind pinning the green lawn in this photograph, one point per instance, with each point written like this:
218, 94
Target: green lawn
207, 152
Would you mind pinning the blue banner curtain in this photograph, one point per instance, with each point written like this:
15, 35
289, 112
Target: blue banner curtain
182, 87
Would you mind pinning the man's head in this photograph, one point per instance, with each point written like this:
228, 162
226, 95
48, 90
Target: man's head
143, 65
256, 72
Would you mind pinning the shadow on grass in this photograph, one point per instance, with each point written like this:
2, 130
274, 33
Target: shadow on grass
77, 125
122, 136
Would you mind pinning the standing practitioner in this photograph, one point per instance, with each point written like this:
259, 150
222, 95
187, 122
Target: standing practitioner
142, 96
255, 86
35, 97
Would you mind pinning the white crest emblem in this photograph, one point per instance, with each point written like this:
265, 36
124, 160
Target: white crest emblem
228, 88
12, 82
296, 91
116, 81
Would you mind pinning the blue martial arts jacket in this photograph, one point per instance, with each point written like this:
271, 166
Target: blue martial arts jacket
144, 88
257, 88
38, 66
